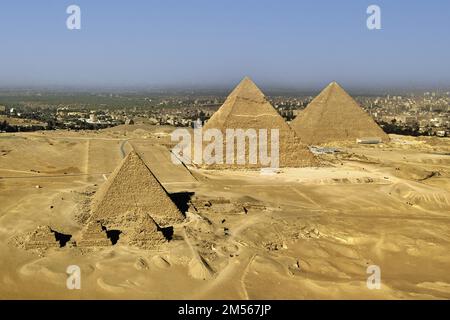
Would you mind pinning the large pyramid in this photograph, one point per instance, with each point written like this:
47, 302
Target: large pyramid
132, 188
334, 116
247, 108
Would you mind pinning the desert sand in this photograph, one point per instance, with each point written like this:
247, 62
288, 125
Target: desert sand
304, 233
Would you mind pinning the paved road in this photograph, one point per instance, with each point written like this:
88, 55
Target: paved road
122, 148
54, 176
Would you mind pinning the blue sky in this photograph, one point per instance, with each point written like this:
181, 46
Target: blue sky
207, 43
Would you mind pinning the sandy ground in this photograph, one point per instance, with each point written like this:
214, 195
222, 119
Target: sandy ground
307, 233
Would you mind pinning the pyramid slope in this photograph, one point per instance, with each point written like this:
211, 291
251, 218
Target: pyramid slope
335, 116
247, 108
132, 187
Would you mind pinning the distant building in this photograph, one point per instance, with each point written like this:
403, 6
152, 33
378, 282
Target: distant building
129, 122
198, 124
2, 109
92, 118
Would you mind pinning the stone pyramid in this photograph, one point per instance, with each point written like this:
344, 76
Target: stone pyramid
146, 234
42, 238
247, 108
132, 188
335, 116
94, 236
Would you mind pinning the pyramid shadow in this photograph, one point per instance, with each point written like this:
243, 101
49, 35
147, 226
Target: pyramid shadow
112, 235
167, 232
181, 200
61, 238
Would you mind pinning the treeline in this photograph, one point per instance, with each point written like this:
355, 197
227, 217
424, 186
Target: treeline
53, 125
6, 127
393, 128
90, 101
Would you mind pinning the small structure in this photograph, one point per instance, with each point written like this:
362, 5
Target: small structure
369, 140
92, 118
323, 150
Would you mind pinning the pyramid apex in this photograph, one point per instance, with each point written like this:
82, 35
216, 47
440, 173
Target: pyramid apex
132, 155
246, 82
247, 87
334, 88
334, 84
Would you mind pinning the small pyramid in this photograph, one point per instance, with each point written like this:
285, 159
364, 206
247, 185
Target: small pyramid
247, 108
335, 116
42, 238
146, 233
94, 236
132, 187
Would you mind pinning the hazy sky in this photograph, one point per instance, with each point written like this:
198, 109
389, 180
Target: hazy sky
279, 43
